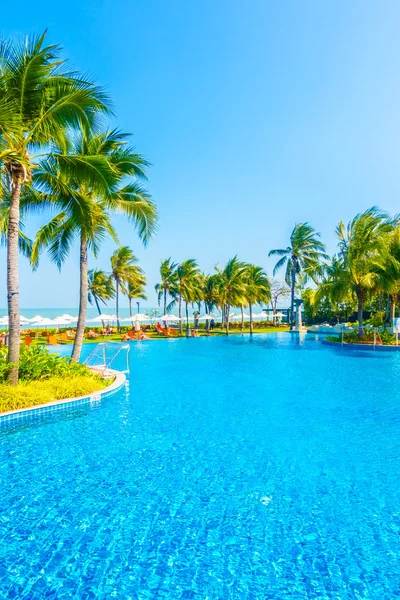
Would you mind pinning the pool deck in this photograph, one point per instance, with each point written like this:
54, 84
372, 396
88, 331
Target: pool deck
373, 347
11, 417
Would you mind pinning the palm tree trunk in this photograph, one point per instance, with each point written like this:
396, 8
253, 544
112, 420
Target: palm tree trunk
228, 310
117, 305
98, 306
12, 282
392, 308
165, 301
130, 306
242, 325
360, 300
292, 316
187, 319
251, 318
180, 314
83, 300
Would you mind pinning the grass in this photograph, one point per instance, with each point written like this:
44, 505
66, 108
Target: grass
34, 393
153, 335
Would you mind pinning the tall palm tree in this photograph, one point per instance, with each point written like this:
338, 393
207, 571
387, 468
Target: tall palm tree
124, 269
231, 287
302, 257
361, 244
357, 269
135, 289
39, 101
100, 288
257, 289
107, 185
188, 287
387, 268
167, 286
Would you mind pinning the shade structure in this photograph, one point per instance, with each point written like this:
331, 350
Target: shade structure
43, 322
137, 317
61, 321
35, 318
279, 314
206, 317
261, 315
170, 318
67, 317
239, 317
103, 317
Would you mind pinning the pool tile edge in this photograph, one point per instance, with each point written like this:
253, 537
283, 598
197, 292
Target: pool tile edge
21, 415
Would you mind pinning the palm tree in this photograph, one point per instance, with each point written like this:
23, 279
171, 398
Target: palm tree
210, 288
39, 101
302, 257
135, 289
86, 203
123, 270
168, 281
357, 270
257, 289
361, 244
100, 288
231, 287
188, 287
387, 268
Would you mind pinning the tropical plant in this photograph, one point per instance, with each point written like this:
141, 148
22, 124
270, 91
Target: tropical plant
167, 285
257, 289
100, 288
232, 287
188, 287
124, 269
87, 202
302, 257
39, 101
387, 268
136, 288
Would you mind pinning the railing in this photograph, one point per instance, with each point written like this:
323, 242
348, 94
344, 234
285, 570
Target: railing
103, 355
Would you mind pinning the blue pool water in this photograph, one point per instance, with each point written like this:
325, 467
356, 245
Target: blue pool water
231, 469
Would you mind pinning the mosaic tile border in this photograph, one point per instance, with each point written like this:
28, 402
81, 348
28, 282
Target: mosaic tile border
23, 415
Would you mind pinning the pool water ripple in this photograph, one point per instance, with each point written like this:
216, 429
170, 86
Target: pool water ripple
231, 468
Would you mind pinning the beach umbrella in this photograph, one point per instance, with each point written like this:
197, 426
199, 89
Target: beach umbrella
102, 317
169, 318
206, 317
37, 318
43, 322
138, 317
261, 315
236, 317
279, 314
67, 317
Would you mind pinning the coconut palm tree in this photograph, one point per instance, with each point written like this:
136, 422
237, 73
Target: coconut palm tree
302, 257
100, 288
257, 289
231, 284
135, 288
124, 269
387, 268
107, 186
188, 287
39, 101
361, 245
357, 271
167, 286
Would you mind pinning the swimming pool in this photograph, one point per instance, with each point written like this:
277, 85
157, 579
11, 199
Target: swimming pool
265, 468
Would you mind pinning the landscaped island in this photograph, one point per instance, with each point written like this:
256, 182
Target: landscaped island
45, 377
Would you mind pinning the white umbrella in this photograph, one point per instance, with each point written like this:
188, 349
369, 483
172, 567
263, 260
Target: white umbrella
138, 317
67, 317
37, 318
261, 315
206, 317
239, 317
169, 318
102, 317
279, 314
61, 321
43, 322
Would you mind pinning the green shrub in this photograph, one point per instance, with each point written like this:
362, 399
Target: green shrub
25, 395
37, 364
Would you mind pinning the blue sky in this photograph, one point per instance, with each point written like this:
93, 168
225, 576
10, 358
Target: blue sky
255, 116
